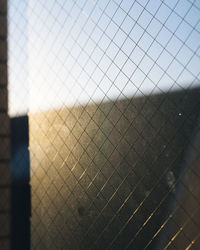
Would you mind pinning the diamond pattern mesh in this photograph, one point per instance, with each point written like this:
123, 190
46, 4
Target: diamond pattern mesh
113, 121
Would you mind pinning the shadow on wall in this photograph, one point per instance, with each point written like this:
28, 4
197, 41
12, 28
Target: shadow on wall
98, 172
20, 195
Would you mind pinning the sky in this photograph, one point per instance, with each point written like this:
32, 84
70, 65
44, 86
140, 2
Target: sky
66, 52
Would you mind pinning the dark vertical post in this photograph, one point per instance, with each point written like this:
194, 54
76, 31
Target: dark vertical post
4, 135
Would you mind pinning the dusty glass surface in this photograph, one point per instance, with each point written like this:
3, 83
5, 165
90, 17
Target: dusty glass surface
113, 120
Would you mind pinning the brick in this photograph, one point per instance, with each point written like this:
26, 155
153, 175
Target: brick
4, 130
4, 198
3, 99
3, 49
3, 6
4, 148
3, 26
5, 244
4, 174
4, 224
3, 74
4, 123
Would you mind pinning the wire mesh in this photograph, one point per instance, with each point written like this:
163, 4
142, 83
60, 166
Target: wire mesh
113, 98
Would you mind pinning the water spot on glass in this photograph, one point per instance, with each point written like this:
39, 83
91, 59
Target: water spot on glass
82, 211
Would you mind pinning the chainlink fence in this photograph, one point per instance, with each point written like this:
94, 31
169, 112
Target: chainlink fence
112, 93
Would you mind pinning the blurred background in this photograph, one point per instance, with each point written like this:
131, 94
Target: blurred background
104, 102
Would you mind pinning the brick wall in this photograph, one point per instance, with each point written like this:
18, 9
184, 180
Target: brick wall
4, 135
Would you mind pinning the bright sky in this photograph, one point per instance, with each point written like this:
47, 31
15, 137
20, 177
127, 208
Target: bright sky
67, 52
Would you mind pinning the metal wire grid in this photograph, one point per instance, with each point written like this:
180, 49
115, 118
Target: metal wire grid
39, 187
112, 179
81, 48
